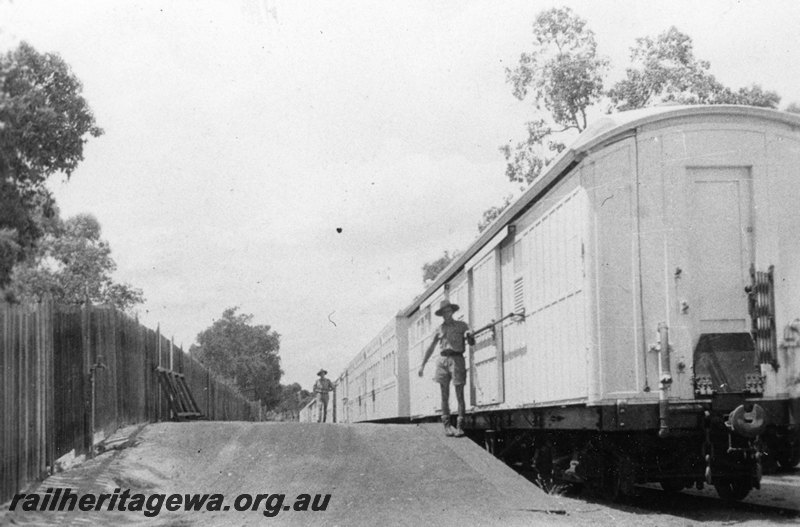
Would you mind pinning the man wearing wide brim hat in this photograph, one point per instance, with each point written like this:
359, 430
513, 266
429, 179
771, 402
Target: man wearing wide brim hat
451, 337
322, 388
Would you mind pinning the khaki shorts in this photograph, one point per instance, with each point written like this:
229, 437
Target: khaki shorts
451, 367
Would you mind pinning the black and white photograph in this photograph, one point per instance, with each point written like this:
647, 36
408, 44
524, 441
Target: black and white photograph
356, 263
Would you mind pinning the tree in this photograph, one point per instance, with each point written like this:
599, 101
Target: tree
665, 69
72, 263
492, 213
44, 123
243, 354
433, 269
754, 95
563, 74
793, 108
293, 398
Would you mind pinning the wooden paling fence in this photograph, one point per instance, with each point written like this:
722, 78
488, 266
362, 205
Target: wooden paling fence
70, 373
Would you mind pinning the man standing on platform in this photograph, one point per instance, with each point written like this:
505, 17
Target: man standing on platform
322, 388
450, 365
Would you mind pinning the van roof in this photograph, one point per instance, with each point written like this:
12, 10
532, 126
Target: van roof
603, 130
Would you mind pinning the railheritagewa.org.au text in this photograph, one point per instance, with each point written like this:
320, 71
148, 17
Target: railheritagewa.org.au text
64, 499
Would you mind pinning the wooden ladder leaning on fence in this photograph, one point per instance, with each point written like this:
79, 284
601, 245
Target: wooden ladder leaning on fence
181, 403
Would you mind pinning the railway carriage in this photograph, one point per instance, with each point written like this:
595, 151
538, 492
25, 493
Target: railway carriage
374, 386
308, 413
637, 310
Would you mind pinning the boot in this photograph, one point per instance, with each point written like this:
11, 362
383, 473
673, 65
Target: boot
448, 430
459, 427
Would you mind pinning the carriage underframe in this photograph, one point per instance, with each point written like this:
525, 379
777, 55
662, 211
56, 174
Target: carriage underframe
612, 448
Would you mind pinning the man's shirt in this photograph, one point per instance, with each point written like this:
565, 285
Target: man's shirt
323, 385
451, 336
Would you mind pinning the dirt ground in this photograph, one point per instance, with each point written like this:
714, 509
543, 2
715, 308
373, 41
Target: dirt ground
374, 474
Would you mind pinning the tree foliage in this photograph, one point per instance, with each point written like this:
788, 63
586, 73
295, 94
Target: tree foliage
293, 398
793, 108
44, 123
433, 269
492, 213
665, 69
563, 76
72, 264
242, 353
753, 95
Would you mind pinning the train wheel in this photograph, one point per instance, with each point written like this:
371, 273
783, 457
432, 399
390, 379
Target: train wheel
733, 489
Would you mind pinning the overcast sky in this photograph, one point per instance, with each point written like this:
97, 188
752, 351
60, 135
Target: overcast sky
239, 135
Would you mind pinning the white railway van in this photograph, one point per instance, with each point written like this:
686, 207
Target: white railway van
637, 310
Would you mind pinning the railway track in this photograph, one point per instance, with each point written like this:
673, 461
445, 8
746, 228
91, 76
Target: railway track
691, 503
778, 499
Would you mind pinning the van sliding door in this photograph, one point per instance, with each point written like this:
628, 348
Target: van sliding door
487, 363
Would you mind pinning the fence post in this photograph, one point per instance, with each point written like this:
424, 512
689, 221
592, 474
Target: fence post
158, 365
50, 380
86, 343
